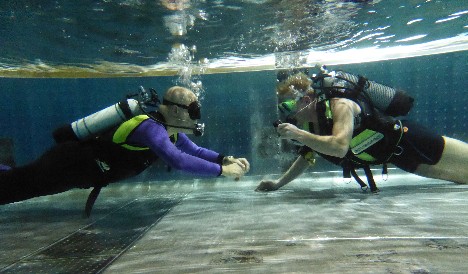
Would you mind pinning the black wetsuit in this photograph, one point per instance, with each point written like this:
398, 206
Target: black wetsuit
69, 165
419, 145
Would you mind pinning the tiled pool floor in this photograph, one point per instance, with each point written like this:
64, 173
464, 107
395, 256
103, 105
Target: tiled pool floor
317, 224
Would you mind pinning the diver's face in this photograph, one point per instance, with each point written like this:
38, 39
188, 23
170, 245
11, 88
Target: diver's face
181, 117
187, 107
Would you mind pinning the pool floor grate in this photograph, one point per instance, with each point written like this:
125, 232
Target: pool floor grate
93, 248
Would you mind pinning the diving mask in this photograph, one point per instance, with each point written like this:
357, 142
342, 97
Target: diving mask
193, 108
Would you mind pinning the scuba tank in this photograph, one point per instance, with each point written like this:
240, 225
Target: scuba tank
103, 120
388, 100
97, 123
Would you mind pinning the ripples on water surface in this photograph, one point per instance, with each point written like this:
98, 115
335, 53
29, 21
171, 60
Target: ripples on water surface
136, 37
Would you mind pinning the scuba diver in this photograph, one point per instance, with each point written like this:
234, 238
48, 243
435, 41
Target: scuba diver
84, 159
352, 122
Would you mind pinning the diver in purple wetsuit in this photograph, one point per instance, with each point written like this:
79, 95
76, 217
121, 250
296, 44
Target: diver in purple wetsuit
122, 153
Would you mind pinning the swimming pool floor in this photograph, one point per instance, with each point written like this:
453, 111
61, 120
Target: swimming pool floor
317, 224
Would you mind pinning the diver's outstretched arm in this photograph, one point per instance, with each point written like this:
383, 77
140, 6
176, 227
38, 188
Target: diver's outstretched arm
296, 169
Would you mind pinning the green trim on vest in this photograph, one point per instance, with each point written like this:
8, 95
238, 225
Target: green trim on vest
174, 138
365, 157
328, 112
125, 129
364, 140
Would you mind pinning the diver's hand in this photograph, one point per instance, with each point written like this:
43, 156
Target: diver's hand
266, 186
240, 161
288, 131
234, 170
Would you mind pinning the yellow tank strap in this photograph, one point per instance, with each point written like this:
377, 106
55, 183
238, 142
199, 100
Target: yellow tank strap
328, 112
124, 130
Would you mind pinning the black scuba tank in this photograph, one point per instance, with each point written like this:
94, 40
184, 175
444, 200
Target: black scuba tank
389, 100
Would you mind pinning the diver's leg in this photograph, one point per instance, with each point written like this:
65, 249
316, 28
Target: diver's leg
64, 167
23, 183
452, 166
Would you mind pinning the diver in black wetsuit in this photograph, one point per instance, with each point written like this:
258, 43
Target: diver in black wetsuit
122, 153
340, 130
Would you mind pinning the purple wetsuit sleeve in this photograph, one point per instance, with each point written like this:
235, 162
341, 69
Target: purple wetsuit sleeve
154, 135
187, 146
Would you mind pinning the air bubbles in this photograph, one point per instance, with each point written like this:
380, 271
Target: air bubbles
203, 61
182, 56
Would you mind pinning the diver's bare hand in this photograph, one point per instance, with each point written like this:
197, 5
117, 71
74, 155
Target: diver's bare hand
242, 162
288, 131
233, 170
266, 186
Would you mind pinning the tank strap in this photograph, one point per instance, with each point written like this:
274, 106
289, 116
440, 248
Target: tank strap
91, 199
325, 117
350, 170
361, 84
126, 109
174, 138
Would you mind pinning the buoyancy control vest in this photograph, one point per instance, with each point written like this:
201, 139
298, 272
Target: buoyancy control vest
107, 131
375, 136
122, 133
117, 157
123, 154
376, 132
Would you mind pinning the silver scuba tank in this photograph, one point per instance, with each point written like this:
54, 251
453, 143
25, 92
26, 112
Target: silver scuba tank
98, 122
388, 100
105, 119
